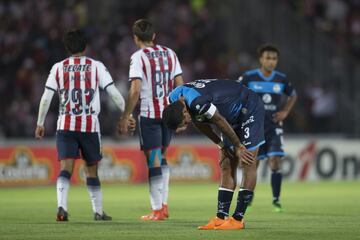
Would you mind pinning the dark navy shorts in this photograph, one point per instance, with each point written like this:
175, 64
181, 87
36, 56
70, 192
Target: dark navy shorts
73, 145
274, 142
153, 134
250, 129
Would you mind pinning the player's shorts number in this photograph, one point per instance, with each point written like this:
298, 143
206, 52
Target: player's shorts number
160, 78
247, 132
77, 100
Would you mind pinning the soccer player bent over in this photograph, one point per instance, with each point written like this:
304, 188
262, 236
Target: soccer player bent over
238, 114
271, 86
154, 71
77, 80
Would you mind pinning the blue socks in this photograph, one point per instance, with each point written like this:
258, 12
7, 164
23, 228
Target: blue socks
244, 198
224, 201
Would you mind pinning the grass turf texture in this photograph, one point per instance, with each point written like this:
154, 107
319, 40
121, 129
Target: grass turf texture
327, 210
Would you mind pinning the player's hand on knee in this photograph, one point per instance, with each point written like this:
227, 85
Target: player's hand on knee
245, 156
39, 132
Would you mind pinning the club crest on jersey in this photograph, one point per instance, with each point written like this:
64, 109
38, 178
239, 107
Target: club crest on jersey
276, 88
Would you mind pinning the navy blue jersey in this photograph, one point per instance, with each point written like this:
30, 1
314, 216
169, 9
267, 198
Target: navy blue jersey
203, 97
270, 89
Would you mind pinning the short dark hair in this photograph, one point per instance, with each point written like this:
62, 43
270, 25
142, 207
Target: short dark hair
173, 115
268, 48
75, 41
144, 30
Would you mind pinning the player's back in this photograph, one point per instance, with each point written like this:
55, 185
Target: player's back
77, 81
229, 96
157, 67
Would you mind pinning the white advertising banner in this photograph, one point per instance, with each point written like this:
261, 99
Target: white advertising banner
317, 159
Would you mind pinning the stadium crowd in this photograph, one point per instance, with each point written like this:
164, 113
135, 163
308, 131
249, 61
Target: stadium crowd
31, 42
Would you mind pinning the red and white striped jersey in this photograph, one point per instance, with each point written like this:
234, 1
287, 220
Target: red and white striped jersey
157, 67
77, 81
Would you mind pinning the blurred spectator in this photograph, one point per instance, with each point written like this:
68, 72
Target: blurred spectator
31, 42
323, 107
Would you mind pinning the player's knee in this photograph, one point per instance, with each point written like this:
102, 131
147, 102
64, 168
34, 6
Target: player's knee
154, 157
65, 174
275, 163
91, 170
225, 164
67, 165
93, 181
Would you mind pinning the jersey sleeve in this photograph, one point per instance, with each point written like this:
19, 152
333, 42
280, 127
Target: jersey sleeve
289, 90
177, 70
105, 78
202, 107
51, 82
135, 71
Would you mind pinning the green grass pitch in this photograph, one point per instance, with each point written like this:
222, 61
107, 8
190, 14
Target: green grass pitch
326, 210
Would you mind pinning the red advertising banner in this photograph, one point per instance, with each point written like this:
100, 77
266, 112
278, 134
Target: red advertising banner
38, 165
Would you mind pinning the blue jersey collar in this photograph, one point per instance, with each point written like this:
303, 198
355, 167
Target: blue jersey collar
269, 78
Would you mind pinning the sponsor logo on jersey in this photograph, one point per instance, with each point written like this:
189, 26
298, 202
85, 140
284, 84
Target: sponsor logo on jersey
77, 68
266, 98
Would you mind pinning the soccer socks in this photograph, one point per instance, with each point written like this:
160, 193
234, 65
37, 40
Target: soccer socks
224, 201
276, 178
244, 197
62, 188
94, 189
166, 177
155, 187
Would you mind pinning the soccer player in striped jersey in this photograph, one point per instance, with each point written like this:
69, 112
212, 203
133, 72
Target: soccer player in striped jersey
272, 86
154, 72
77, 80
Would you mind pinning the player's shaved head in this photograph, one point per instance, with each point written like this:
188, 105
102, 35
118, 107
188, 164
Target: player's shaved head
268, 48
75, 41
144, 30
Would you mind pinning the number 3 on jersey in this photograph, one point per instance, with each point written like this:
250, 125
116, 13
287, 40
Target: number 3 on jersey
160, 79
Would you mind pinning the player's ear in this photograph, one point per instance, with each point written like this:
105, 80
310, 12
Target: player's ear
136, 39
153, 36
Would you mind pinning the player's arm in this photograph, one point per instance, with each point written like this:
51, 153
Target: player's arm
209, 132
116, 97
178, 79
281, 115
43, 110
225, 128
107, 83
51, 86
132, 99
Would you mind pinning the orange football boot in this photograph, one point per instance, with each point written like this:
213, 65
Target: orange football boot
165, 210
155, 215
231, 224
212, 224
